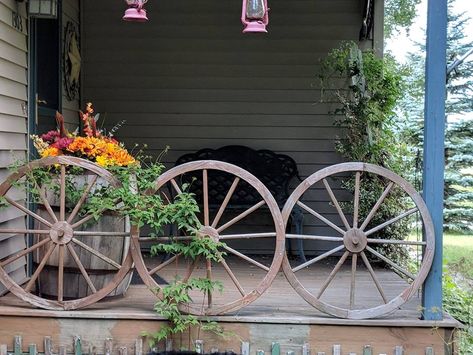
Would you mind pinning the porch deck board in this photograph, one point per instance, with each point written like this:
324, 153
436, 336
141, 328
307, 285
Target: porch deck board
280, 303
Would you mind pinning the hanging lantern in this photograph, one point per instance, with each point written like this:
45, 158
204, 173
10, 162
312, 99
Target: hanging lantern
42, 8
135, 11
254, 15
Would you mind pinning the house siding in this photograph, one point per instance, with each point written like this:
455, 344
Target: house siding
189, 78
13, 124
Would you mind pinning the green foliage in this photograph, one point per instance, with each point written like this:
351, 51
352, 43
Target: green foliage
366, 116
458, 302
458, 214
175, 296
367, 103
398, 14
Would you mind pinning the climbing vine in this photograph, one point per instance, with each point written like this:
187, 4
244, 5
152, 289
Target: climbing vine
365, 89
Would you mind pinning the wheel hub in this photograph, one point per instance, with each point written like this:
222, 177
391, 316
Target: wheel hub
355, 240
61, 233
210, 232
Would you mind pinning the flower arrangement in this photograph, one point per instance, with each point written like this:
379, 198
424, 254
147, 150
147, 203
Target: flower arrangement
93, 145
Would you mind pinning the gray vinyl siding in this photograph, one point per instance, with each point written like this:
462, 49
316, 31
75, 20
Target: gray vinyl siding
13, 126
189, 78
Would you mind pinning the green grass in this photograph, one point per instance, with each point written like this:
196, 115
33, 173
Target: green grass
458, 253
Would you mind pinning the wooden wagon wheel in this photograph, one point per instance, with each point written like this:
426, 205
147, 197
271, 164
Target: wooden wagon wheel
220, 226
359, 237
57, 233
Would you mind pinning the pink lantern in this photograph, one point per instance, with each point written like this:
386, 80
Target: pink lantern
254, 16
135, 11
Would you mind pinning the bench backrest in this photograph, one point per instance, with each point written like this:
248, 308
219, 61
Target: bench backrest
275, 171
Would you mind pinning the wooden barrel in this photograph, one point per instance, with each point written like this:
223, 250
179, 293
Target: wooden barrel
100, 272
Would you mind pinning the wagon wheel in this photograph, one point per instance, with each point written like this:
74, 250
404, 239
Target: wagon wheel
245, 276
57, 240
360, 238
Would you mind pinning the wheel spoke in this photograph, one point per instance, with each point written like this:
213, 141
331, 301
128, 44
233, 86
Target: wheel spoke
164, 264
88, 218
247, 236
244, 257
27, 211
314, 237
176, 186
318, 258
82, 199
225, 202
205, 183
336, 204
233, 277
322, 218
101, 234
81, 268
241, 216
356, 202
377, 205
394, 241
373, 276
24, 252
62, 203
390, 262
354, 259
60, 277
332, 274
391, 221
45, 201
96, 253
24, 231
40, 267
190, 268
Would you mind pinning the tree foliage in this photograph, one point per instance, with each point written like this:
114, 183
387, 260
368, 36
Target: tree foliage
398, 14
458, 213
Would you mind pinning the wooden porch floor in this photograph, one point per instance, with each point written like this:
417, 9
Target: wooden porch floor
280, 303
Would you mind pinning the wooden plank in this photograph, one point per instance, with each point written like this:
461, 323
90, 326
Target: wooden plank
17, 345
77, 345
337, 349
48, 345
139, 346
199, 346
108, 346
245, 348
306, 349
32, 349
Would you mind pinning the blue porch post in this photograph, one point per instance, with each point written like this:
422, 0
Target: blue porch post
434, 136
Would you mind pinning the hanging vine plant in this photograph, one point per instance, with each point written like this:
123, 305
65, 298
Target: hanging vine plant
366, 89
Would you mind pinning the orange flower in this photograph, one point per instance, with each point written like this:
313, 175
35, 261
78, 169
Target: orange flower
50, 152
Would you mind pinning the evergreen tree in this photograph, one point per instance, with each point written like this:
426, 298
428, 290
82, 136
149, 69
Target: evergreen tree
458, 213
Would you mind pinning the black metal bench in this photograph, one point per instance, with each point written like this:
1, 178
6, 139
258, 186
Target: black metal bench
275, 171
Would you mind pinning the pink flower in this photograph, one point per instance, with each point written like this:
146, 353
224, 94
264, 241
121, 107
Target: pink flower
50, 137
62, 143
